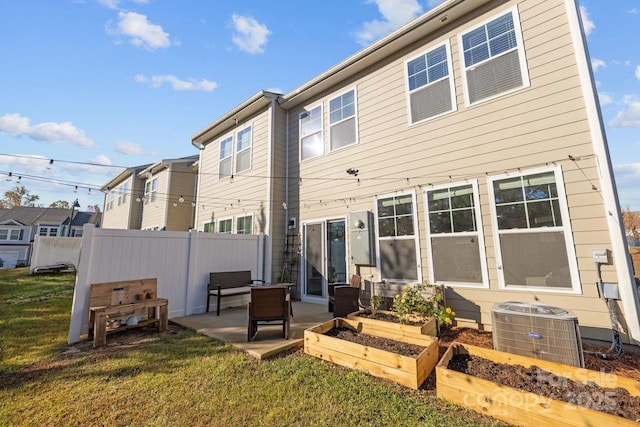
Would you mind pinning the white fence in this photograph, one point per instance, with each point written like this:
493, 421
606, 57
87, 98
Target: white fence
50, 250
181, 261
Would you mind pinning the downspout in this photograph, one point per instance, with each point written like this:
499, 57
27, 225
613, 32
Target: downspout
196, 217
168, 202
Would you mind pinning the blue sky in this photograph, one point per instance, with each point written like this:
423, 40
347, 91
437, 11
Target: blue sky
101, 84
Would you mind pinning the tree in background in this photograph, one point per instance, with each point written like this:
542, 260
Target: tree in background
631, 221
60, 204
19, 196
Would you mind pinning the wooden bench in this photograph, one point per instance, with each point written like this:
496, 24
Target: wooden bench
112, 305
228, 283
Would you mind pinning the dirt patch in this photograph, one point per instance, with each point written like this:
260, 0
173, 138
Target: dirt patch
393, 346
615, 401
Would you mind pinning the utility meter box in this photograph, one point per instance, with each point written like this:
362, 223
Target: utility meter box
361, 238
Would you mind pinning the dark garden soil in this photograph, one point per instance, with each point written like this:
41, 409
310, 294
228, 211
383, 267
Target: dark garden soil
393, 346
387, 317
615, 401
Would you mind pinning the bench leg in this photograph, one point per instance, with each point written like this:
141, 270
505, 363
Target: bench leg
218, 311
100, 330
163, 323
208, 299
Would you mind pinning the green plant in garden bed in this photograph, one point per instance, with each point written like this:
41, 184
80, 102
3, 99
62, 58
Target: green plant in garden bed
412, 303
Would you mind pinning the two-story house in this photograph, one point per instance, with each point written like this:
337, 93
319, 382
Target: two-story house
158, 196
19, 225
466, 149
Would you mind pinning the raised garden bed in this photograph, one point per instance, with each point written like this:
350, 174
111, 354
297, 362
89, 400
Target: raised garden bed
582, 405
386, 322
407, 370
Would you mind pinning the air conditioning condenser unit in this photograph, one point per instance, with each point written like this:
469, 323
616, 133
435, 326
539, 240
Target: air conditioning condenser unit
537, 330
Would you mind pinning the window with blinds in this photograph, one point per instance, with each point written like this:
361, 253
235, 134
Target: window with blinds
226, 152
455, 240
430, 84
311, 142
533, 235
493, 56
342, 120
243, 149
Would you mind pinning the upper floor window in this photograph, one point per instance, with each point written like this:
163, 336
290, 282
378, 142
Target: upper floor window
123, 190
48, 231
397, 238
494, 60
150, 191
342, 120
109, 204
226, 153
11, 234
311, 141
243, 150
534, 244
431, 86
244, 225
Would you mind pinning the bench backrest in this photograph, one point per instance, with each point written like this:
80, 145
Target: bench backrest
230, 279
124, 292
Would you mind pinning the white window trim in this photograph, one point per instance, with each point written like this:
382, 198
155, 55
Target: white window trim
355, 117
235, 222
416, 235
235, 151
479, 234
300, 159
451, 77
566, 229
204, 226
218, 221
521, 55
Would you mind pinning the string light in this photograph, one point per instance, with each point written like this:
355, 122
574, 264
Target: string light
50, 165
9, 176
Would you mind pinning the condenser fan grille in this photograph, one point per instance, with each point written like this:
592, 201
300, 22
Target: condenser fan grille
537, 330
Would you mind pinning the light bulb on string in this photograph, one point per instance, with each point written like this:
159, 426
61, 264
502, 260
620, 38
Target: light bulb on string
76, 189
9, 177
181, 199
50, 165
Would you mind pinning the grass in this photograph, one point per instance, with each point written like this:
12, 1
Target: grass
179, 378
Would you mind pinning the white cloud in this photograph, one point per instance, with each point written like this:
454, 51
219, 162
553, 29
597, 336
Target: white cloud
627, 176
587, 23
250, 35
638, 72
633, 11
25, 163
605, 98
57, 133
596, 64
101, 159
142, 33
115, 4
111, 4
395, 13
129, 148
176, 83
629, 116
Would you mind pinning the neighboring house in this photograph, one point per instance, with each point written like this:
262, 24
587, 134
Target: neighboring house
241, 180
19, 226
121, 210
466, 148
158, 196
168, 197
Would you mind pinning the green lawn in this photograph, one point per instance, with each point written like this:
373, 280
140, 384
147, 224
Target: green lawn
179, 378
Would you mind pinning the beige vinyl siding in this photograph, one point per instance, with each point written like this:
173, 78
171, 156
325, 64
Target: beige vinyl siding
526, 129
153, 213
123, 216
180, 217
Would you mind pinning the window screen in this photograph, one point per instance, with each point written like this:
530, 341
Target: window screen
430, 87
342, 119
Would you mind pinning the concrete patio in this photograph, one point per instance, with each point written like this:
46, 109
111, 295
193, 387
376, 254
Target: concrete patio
231, 327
